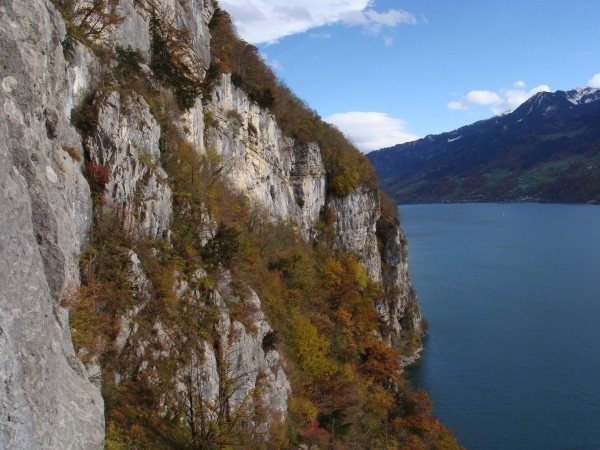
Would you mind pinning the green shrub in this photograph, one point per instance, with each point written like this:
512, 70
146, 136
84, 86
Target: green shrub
235, 115
172, 52
223, 247
84, 116
128, 62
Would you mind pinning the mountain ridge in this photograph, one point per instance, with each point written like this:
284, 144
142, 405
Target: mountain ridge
517, 156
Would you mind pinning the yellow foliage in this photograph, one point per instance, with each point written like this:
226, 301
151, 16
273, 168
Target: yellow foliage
310, 348
302, 411
332, 273
360, 274
89, 323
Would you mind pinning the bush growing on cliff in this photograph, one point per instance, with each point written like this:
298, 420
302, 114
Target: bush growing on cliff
173, 60
88, 22
128, 62
97, 176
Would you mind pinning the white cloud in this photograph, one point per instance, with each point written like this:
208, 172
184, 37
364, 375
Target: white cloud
500, 101
374, 21
595, 81
260, 21
456, 106
371, 130
482, 98
513, 98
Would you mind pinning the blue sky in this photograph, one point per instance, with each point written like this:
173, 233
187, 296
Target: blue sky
387, 71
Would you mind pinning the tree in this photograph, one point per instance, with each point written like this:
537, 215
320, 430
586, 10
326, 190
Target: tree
174, 60
236, 413
93, 19
310, 348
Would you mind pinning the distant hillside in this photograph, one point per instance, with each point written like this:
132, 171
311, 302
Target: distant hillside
546, 150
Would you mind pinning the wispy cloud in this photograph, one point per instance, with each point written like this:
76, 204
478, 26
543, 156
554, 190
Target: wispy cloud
500, 101
374, 21
595, 81
371, 130
263, 21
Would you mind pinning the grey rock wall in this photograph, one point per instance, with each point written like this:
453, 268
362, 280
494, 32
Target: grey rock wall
126, 141
400, 312
231, 354
289, 181
190, 15
285, 178
46, 400
356, 217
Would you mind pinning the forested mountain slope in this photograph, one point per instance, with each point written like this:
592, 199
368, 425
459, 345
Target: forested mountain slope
548, 149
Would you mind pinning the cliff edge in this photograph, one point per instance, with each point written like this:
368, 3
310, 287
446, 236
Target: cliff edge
216, 272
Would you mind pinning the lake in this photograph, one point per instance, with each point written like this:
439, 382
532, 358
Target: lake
512, 296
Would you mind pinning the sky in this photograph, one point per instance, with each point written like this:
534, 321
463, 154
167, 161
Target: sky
387, 72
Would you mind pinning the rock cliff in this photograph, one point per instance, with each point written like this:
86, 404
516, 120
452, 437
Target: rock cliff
48, 400
287, 178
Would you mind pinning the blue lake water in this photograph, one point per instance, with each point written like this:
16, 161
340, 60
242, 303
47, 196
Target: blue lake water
512, 296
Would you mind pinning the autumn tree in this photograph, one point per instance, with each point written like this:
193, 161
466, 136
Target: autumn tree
174, 60
88, 20
310, 348
236, 414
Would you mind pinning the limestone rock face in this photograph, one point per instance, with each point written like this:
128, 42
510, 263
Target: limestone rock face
256, 372
356, 217
192, 16
402, 314
285, 178
230, 362
45, 213
126, 141
255, 365
46, 398
290, 182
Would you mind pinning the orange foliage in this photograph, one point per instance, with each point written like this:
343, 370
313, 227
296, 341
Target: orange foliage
426, 431
381, 362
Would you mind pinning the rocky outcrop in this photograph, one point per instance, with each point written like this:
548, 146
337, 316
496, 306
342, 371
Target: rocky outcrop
125, 140
289, 181
192, 16
240, 356
47, 400
231, 363
284, 177
400, 310
355, 222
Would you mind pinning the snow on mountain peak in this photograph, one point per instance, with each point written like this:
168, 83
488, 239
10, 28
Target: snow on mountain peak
583, 95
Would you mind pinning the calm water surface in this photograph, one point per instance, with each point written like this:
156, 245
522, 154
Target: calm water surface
512, 296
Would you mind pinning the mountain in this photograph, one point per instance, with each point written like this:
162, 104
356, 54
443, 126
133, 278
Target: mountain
546, 150
190, 257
